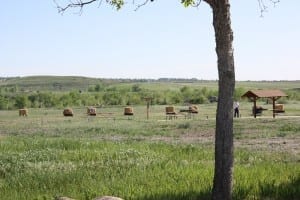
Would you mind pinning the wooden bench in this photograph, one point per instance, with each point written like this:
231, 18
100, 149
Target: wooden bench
171, 115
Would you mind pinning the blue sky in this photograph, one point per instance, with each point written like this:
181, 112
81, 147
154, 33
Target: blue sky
162, 39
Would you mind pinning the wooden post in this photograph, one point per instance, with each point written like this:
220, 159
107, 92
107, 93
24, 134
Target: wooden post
148, 105
254, 108
273, 98
148, 99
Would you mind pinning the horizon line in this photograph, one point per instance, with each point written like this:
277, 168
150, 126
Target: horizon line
144, 78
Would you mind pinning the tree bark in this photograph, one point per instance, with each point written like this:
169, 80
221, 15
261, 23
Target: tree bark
222, 185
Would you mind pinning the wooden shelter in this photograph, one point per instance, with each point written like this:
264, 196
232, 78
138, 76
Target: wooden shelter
274, 95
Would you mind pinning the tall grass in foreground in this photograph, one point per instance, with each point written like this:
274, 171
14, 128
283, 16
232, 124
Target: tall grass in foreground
46, 155
35, 167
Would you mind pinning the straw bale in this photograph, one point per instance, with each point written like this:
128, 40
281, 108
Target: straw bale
68, 112
193, 109
23, 112
279, 107
170, 110
128, 111
91, 111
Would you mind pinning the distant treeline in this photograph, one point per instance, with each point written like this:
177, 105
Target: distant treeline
99, 95
58, 92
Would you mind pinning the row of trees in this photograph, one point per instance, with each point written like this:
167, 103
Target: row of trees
116, 96
109, 96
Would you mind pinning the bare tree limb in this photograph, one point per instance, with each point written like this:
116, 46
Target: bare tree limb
210, 2
73, 4
118, 3
81, 3
263, 5
196, 3
142, 4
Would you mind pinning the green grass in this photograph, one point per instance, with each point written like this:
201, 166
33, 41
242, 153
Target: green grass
39, 168
46, 155
85, 169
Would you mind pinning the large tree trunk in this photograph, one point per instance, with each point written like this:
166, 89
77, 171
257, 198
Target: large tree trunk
222, 186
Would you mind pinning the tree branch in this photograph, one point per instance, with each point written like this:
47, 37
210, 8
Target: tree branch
76, 4
263, 6
210, 2
142, 4
119, 3
81, 3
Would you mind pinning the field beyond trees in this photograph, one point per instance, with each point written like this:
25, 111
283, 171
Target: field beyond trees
45, 154
60, 92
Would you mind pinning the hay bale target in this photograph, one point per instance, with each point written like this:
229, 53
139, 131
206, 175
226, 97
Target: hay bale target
193, 109
257, 110
128, 111
279, 108
91, 111
170, 110
68, 112
23, 112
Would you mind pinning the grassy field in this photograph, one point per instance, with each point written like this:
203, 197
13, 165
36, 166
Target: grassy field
46, 155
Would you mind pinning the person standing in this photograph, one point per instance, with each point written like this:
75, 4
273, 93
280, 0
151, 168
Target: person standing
236, 108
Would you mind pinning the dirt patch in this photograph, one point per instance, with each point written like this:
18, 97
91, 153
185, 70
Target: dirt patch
274, 144
278, 144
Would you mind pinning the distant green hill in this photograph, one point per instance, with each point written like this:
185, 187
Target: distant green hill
69, 83
49, 83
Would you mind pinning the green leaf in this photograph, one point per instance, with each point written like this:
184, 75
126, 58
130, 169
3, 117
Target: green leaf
187, 3
117, 3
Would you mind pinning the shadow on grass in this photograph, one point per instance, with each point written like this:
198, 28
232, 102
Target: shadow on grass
206, 195
290, 190
271, 190
284, 191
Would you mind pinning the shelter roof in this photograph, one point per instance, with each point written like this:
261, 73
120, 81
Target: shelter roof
264, 93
